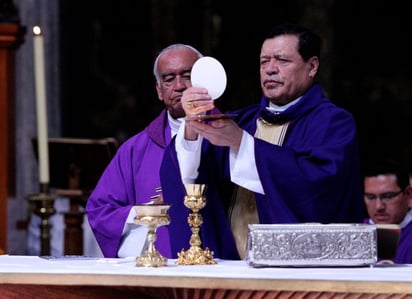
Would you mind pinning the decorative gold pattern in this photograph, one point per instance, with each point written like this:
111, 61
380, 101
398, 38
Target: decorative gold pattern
195, 255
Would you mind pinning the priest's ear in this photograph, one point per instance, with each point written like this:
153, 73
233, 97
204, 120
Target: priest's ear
313, 64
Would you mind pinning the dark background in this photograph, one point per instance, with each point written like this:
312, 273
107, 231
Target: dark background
108, 48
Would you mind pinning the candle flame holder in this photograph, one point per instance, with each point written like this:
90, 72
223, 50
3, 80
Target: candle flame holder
195, 200
152, 216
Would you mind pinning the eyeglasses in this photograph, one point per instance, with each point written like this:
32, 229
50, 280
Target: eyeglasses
385, 197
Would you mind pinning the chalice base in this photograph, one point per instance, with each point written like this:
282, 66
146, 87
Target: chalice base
151, 259
195, 256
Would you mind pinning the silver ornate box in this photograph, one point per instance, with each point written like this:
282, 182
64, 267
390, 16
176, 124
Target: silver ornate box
302, 245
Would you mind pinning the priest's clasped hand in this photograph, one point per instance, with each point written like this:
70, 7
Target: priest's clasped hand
196, 101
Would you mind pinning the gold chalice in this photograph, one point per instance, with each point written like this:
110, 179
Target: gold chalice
195, 200
153, 216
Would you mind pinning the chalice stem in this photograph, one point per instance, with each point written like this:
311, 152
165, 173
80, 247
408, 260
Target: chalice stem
195, 238
151, 237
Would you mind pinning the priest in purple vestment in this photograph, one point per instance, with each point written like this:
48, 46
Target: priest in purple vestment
132, 177
293, 157
388, 200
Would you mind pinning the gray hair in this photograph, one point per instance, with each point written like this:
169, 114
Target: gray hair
172, 47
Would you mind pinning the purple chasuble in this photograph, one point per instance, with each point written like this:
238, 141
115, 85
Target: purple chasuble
131, 178
404, 251
315, 175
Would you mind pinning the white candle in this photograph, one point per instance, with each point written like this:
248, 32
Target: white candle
41, 108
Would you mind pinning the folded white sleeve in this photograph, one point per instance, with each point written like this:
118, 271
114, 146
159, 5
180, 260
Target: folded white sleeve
133, 237
243, 171
188, 155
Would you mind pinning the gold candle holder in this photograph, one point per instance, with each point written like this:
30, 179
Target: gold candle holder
195, 200
152, 216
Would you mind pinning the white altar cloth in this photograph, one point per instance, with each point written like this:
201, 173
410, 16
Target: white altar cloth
10, 264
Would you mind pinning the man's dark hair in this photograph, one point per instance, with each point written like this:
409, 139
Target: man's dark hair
387, 166
309, 42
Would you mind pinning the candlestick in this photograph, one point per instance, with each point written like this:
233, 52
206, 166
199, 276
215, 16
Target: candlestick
41, 108
43, 204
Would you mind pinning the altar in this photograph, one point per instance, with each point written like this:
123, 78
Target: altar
84, 277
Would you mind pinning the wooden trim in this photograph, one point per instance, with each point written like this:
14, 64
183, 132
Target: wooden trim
198, 287
11, 36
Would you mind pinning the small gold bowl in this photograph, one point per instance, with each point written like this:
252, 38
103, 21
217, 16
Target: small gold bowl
152, 209
152, 216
